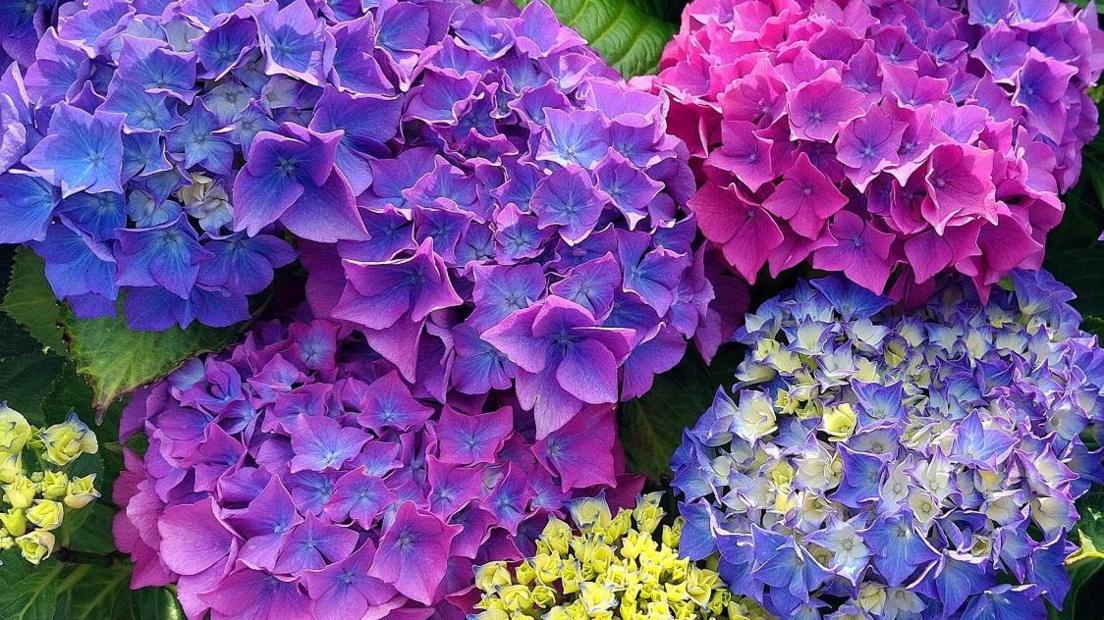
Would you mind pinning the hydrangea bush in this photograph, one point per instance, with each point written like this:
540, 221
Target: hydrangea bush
919, 465
298, 475
35, 476
912, 137
613, 566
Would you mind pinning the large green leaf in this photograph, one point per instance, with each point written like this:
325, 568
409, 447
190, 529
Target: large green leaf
115, 359
33, 596
623, 32
31, 302
651, 426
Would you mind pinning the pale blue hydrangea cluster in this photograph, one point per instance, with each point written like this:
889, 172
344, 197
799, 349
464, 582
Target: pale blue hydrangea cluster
875, 464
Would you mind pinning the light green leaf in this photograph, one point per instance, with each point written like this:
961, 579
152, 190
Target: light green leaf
622, 32
31, 302
115, 360
651, 426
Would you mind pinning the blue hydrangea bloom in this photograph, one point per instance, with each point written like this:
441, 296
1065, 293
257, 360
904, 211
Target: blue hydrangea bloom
874, 463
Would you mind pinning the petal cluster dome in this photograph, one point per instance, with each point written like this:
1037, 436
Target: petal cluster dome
882, 465
882, 139
606, 565
527, 224
298, 475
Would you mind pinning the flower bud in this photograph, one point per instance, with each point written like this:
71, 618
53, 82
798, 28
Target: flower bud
20, 492
54, 484
35, 546
839, 421
11, 467
66, 441
14, 522
46, 514
14, 430
81, 492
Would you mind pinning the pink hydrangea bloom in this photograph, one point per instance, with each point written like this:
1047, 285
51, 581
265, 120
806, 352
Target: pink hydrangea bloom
298, 475
882, 139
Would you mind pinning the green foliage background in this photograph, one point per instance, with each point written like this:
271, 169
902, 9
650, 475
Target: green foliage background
51, 364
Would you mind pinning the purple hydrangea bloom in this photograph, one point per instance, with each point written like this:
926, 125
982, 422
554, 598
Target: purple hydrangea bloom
889, 141
881, 464
299, 470
506, 183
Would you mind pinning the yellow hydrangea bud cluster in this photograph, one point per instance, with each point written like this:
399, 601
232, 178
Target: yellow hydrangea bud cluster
611, 567
35, 489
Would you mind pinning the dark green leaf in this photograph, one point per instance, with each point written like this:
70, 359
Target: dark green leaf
31, 302
115, 360
628, 37
651, 426
1085, 565
34, 596
1082, 270
25, 380
156, 604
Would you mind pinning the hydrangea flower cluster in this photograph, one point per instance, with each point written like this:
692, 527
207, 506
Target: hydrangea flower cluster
298, 475
613, 567
882, 465
36, 498
870, 135
527, 225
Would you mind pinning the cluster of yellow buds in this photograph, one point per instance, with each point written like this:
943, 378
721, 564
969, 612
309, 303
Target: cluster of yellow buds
36, 491
609, 567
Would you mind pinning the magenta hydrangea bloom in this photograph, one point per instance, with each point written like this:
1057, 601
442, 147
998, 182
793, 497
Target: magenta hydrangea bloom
299, 475
889, 141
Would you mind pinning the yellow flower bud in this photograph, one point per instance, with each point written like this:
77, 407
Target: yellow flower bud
492, 576
596, 597
46, 514
872, 598
35, 546
516, 597
839, 421
81, 492
66, 441
11, 467
14, 521
15, 432
590, 513
20, 492
543, 597
54, 484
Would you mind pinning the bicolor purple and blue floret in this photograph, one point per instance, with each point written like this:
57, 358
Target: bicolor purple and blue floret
915, 465
298, 475
891, 141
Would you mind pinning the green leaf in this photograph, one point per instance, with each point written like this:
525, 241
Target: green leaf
34, 596
25, 380
116, 360
1094, 325
628, 37
31, 302
95, 593
652, 425
1085, 565
156, 604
